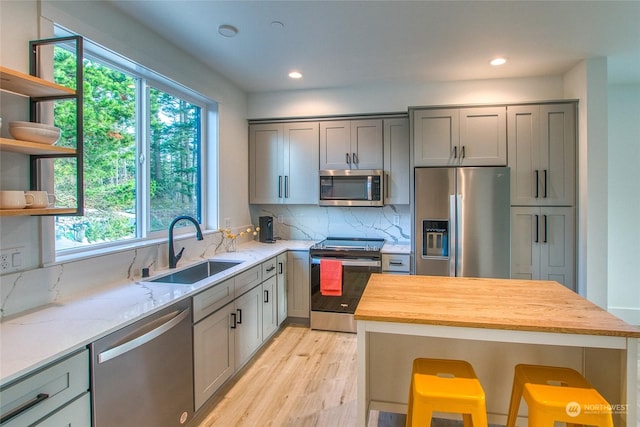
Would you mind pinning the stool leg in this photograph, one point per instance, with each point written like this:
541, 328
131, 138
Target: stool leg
421, 416
514, 404
480, 418
410, 405
468, 420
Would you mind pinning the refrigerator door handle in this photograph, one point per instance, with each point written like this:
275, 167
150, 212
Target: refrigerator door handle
453, 240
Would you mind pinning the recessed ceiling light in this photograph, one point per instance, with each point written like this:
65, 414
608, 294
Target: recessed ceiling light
227, 30
497, 61
295, 75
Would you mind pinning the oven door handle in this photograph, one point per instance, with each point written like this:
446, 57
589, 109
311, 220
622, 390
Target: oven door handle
352, 262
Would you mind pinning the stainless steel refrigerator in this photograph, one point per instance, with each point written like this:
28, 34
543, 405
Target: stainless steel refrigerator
462, 222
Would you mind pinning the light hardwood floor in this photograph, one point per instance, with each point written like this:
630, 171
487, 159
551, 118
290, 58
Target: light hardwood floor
301, 378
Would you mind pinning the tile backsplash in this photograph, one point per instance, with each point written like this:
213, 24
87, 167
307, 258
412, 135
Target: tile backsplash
305, 222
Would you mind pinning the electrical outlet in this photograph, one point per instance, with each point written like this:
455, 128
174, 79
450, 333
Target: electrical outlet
396, 220
280, 219
11, 260
227, 223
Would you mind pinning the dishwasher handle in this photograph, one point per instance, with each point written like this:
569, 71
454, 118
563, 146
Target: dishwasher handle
176, 318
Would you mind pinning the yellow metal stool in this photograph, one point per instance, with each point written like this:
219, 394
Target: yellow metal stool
445, 386
548, 404
559, 377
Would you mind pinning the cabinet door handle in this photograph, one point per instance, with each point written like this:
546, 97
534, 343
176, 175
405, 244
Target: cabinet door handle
233, 321
266, 296
270, 269
545, 184
279, 186
463, 153
386, 185
545, 229
24, 407
239, 311
286, 186
348, 158
537, 239
537, 175
281, 268
354, 156
455, 152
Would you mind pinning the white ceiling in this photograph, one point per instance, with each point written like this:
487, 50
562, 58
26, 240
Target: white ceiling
344, 43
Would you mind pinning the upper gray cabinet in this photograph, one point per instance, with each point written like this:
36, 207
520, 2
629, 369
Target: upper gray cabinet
351, 144
475, 136
283, 163
396, 161
542, 154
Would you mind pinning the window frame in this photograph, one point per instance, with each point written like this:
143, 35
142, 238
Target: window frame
208, 204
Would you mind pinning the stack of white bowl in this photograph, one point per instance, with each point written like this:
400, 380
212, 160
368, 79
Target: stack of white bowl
34, 132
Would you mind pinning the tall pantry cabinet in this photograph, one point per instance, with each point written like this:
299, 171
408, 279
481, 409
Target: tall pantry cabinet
542, 157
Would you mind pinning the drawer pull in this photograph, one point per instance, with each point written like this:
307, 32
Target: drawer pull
399, 263
270, 269
25, 407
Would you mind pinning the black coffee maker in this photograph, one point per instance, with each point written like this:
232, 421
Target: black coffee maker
266, 229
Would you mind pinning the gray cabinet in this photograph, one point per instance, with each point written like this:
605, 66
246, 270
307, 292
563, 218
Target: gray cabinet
474, 136
542, 154
213, 352
269, 298
248, 325
283, 163
543, 244
396, 161
269, 307
56, 395
396, 263
281, 288
351, 144
298, 287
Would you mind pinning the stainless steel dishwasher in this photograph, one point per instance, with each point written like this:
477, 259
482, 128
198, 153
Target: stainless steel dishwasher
142, 375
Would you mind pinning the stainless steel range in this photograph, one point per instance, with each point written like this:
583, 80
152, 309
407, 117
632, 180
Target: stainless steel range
340, 269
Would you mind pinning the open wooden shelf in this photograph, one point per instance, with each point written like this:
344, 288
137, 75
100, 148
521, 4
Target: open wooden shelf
26, 85
26, 147
28, 212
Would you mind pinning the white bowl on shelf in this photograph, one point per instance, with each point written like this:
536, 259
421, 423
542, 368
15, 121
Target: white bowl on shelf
34, 132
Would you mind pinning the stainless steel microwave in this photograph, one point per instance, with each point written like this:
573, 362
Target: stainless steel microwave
351, 188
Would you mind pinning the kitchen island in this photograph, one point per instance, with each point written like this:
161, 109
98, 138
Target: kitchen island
494, 324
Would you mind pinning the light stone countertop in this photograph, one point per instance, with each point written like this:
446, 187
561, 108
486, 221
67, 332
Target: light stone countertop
34, 339
397, 248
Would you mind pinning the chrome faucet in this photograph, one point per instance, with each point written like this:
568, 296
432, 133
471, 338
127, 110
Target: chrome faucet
173, 258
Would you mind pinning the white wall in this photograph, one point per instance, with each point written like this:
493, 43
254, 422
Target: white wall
398, 97
624, 202
587, 82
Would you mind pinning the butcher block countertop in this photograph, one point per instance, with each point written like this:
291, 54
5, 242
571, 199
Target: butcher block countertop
522, 305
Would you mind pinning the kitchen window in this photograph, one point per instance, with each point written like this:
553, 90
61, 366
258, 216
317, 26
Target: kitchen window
143, 152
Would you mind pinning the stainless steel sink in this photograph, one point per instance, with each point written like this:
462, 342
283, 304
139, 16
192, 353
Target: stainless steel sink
197, 272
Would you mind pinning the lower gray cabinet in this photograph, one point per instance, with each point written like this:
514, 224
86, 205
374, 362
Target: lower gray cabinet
543, 244
298, 291
281, 285
269, 307
75, 414
45, 398
214, 353
248, 325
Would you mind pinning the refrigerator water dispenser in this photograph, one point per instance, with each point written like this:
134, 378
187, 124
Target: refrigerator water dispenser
435, 238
